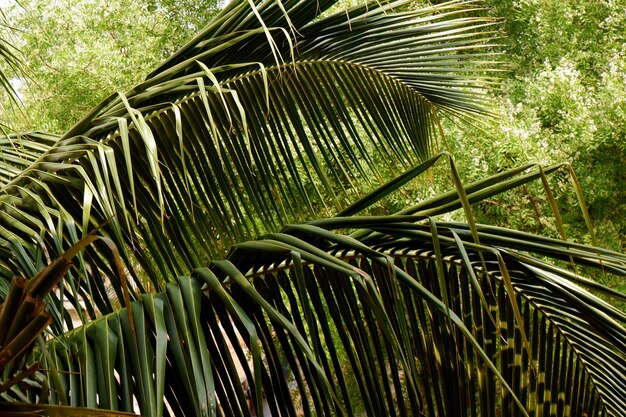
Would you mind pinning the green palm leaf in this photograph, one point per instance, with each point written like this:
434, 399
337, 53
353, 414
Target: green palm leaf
314, 330
237, 135
276, 113
19, 151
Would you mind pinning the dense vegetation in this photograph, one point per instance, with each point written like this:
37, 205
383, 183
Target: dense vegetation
286, 111
76, 53
562, 101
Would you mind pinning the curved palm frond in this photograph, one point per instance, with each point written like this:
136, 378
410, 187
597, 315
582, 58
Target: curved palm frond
403, 317
317, 323
258, 122
18, 151
274, 114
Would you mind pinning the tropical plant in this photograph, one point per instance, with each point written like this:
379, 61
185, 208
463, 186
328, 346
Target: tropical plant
279, 112
240, 132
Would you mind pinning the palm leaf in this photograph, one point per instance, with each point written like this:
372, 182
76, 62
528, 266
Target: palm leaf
236, 135
10, 63
310, 330
271, 115
312, 321
19, 151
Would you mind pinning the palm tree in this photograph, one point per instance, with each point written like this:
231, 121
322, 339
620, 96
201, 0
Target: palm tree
279, 112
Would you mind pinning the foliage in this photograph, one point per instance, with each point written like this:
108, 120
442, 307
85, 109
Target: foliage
276, 112
563, 101
78, 52
24, 317
429, 321
190, 159
9, 60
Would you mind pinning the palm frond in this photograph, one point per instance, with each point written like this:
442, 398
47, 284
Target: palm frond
274, 114
19, 151
237, 135
317, 323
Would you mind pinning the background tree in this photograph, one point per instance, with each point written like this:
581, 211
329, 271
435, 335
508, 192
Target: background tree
78, 52
9, 63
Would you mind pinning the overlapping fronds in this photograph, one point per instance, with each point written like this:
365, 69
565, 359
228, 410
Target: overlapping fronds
24, 316
398, 322
407, 316
19, 151
271, 115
